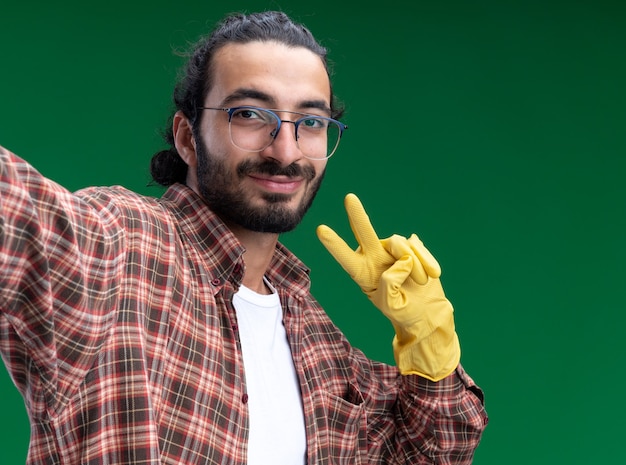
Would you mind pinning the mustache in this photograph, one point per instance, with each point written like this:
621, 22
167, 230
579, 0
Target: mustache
274, 169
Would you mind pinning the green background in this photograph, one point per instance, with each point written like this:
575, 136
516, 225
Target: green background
494, 130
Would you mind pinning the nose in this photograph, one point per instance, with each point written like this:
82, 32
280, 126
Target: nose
284, 149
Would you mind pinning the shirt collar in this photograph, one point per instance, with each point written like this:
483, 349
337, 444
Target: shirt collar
222, 251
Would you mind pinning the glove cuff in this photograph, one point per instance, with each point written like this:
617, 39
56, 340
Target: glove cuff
433, 358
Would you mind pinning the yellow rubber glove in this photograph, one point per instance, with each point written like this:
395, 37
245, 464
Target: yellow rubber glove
401, 278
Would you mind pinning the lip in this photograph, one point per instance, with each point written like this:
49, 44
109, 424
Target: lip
280, 184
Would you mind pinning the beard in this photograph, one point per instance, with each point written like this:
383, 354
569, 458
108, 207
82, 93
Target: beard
222, 190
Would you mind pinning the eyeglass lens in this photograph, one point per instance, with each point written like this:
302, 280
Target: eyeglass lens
254, 129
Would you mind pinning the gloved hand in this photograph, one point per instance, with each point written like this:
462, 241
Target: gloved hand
401, 278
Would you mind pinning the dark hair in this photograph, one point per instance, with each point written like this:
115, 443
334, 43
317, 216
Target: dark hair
167, 167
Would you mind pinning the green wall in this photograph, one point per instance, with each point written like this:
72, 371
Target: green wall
495, 130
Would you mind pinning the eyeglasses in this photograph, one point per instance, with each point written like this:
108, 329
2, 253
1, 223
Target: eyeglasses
254, 129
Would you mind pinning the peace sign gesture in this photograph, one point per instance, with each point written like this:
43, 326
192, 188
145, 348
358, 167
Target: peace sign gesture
401, 277
373, 257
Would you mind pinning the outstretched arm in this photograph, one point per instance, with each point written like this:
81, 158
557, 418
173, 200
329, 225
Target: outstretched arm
58, 272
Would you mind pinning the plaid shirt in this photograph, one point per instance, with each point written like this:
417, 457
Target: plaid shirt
117, 326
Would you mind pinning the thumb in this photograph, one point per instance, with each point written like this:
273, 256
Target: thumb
400, 247
391, 287
394, 278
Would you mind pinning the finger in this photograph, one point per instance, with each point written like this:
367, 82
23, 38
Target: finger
349, 260
393, 280
400, 248
360, 223
428, 261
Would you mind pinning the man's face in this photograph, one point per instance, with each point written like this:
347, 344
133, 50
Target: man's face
270, 190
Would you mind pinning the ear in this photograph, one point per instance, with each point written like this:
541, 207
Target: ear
183, 139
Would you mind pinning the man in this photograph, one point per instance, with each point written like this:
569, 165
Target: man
180, 331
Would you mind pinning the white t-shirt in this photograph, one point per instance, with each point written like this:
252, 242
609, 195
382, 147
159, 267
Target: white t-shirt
277, 434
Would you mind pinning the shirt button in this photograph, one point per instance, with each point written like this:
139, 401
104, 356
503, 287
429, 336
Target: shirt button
237, 268
244, 398
216, 282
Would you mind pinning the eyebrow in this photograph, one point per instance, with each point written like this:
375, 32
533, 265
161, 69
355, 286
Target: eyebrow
248, 93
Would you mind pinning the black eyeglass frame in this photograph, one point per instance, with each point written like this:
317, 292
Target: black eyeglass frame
304, 117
